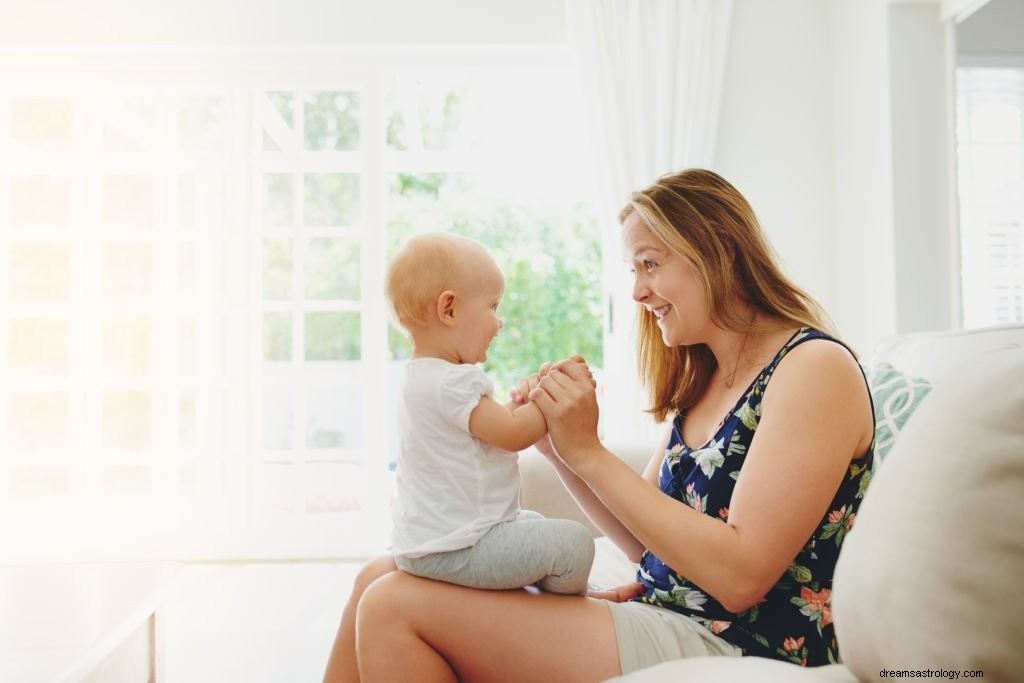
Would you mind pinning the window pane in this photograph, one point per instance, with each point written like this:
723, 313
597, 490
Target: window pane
331, 199
127, 271
279, 126
332, 336
40, 272
126, 420
277, 269
36, 483
39, 420
129, 125
44, 123
126, 346
278, 418
990, 154
39, 347
333, 417
127, 201
201, 124
40, 202
425, 113
277, 337
332, 120
332, 269
123, 481
278, 200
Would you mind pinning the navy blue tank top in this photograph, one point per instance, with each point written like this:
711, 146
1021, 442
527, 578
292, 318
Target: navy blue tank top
793, 621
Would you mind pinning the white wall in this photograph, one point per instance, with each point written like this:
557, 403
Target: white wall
775, 134
836, 124
924, 176
996, 29
805, 134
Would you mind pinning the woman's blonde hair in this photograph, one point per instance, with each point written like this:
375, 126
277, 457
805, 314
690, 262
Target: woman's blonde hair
702, 217
423, 267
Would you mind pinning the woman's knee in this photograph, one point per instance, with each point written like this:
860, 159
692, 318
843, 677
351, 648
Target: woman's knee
370, 572
386, 601
373, 570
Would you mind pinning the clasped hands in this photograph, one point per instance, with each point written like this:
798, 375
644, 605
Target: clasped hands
565, 394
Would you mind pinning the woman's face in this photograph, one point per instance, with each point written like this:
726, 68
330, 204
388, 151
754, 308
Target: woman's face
667, 285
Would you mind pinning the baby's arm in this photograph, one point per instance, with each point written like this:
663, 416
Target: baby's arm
512, 426
512, 429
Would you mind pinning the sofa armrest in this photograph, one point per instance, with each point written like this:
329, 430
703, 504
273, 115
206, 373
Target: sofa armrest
544, 492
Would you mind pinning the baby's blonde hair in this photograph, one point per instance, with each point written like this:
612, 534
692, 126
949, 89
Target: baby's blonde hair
425, 266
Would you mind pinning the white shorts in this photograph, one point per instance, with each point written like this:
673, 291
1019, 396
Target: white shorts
648, 635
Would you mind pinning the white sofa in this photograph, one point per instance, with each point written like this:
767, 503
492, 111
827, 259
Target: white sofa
932, 576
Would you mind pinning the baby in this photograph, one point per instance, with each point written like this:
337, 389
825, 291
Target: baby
457, 516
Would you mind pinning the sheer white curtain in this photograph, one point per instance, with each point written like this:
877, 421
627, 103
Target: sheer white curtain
652, 77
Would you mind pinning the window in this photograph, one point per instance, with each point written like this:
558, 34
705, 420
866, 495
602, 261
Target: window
990, 145
196, 356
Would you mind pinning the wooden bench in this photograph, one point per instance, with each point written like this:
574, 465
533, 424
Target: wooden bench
82, 623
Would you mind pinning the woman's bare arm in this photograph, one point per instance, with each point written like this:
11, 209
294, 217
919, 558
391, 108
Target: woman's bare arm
808, 433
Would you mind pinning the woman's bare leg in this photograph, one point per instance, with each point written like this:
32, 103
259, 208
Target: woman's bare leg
341, 665
413, 629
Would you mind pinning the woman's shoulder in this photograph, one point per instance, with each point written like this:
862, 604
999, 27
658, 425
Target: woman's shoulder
818, 366
815, 347
814, 351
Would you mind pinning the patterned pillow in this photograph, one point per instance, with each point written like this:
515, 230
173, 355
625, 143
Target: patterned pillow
896, 396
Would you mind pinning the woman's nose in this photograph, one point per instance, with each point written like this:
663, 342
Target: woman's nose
640, 290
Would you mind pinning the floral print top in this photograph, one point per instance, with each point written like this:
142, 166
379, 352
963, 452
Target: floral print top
793, 621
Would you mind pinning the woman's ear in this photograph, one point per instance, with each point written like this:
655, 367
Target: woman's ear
446, 307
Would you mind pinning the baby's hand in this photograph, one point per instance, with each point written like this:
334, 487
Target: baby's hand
521, 392
546, 367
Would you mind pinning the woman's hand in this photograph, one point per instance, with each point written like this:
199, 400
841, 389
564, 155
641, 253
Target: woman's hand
566, 396
521, 392
618, 593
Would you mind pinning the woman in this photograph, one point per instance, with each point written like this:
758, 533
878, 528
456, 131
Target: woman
737, 521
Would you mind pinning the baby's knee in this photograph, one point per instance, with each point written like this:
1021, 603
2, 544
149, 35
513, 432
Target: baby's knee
579, 541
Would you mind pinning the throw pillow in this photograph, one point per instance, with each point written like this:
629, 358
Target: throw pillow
930, 576
895, 396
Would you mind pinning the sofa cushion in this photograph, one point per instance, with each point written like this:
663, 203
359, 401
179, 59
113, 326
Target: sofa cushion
895, 396
728, 669
934, 355
929, 578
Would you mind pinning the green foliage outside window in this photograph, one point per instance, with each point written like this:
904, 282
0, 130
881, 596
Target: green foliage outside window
551, 260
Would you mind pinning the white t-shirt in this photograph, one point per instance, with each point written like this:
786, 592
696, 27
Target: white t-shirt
451, 487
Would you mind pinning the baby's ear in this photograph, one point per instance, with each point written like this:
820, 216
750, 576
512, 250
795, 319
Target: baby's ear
446, 307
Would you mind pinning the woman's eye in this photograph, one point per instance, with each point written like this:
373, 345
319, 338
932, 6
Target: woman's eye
649, 265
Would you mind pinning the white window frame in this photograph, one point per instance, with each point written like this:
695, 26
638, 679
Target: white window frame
985, 273
231, 527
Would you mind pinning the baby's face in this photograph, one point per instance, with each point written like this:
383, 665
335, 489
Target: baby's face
477, 317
